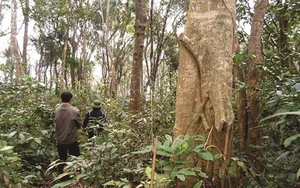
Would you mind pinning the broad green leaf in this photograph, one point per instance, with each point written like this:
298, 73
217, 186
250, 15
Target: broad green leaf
198, 184
289, 140
232, 170
166, 148
177, 143
298, 173
38, 140
187, 172
202, 174
63, 184
22, 137
3, 143
180, 151
169, 138
163, 153
167, 167
181, 177
30, 138
198, 148
199, 137
148, 171
206, 155
242, 164
6, 149
11, 134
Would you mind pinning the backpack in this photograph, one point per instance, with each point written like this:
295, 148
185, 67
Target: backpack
95, 123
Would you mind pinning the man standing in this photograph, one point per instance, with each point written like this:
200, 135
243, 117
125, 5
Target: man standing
67, 120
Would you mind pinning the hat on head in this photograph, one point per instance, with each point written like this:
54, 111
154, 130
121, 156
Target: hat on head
96, 104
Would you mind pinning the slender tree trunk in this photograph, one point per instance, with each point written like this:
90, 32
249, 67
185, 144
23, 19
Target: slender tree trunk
240, 98
204, 87
25, 38
63, 63
74, 45
136, 72
254, 132
241, 103
16, 59
84, 55
283, 38
155, 58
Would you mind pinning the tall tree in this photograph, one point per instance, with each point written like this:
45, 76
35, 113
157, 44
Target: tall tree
14, 48
63, 79
136, 73
111, 87
249, 105
25, 10
203, 96
254, 105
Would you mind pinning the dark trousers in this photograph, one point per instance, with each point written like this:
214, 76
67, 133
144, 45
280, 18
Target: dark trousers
63, 150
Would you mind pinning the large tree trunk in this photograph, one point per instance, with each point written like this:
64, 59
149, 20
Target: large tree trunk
136, 73
203, 98
254, 132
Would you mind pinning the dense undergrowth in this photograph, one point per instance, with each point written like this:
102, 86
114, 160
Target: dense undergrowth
122, 156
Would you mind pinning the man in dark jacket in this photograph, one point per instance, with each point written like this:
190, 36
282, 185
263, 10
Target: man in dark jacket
94, 119
67, 120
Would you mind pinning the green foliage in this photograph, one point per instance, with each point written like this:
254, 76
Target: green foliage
173, 159
27, 125
281, 126
279, 96
8, 172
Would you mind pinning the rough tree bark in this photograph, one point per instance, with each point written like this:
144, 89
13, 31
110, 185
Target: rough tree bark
241, 101
203, 98
136, 72
14, 48
283, 38
254, 131
63, 63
